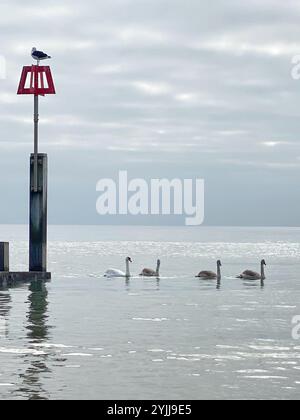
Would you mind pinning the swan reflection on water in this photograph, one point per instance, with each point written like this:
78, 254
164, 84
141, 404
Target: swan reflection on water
250, 284
129, 279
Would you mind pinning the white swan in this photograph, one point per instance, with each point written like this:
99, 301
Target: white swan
210, 275
147, 272
118, 273
252, 275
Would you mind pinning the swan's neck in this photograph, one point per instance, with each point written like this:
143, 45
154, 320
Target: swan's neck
263, 272
157, 269
219, 271
127, 269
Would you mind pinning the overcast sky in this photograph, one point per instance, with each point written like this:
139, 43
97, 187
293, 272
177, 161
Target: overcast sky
162, 88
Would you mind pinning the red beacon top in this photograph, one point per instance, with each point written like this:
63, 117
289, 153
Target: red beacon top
40, 81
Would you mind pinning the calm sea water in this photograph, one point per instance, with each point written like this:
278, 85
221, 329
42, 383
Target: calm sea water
85, 336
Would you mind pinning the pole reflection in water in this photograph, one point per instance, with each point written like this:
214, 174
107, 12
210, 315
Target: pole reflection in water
5, 301
37, 333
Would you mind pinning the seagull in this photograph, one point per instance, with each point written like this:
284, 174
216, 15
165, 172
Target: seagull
39, 55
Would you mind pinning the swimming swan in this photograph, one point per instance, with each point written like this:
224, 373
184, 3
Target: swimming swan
118, 273
210, 274
252, 275
147, 272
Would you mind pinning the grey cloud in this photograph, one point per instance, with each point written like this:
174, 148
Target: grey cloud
193, 87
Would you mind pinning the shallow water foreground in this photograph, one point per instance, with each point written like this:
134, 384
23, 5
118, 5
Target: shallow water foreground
84, 336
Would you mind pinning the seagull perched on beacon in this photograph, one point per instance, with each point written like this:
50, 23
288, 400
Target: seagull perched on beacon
39, 55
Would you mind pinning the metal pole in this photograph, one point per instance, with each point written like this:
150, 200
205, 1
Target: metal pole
36, 142
38, 216
4, 256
